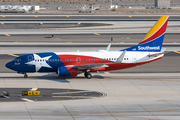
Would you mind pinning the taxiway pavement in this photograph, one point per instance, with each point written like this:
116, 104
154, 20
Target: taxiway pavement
150, 91
40, 17
154, 96
113, 38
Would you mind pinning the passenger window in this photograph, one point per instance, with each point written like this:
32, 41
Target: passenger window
86, 59
89, 59
124, 58
127, 58
65, 59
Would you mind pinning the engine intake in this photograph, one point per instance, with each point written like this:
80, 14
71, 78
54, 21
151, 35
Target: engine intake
67, 72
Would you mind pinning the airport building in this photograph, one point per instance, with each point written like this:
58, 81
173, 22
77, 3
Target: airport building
162, 3
17, 8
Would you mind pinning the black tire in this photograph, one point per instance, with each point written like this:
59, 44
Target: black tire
25, 76
89, 76
85, 74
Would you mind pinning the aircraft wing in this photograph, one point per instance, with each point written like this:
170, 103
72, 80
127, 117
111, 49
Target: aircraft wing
90, 66
98, 65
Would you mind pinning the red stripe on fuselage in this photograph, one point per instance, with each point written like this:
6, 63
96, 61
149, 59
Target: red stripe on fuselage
160, 32
111, 67
119, 66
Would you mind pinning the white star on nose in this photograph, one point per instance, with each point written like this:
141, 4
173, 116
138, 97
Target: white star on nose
39, 62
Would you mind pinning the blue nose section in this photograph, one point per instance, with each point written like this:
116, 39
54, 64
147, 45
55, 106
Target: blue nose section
9, 65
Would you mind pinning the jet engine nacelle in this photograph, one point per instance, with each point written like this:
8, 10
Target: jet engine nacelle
67, 72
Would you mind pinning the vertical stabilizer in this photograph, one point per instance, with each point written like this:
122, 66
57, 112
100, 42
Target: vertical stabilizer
153, 40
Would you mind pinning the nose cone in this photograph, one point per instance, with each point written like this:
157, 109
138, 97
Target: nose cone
9, 65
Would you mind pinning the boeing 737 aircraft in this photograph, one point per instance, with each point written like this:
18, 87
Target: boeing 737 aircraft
70, 64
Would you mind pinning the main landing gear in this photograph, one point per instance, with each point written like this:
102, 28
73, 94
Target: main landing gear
88, 75
25, 76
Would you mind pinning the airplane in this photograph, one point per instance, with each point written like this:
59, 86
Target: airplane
70, 64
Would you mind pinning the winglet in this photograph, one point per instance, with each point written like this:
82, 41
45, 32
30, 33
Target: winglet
120, 59
108, 47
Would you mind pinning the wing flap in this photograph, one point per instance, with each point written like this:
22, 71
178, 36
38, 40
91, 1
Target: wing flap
90, 66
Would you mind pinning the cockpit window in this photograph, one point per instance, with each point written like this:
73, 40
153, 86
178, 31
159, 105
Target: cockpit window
17, 59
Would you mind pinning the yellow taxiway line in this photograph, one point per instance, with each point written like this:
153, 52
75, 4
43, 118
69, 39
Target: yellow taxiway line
106, 72
177, 52
7, 34
13, 55
96, 34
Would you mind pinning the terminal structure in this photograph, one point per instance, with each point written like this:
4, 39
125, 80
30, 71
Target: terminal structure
162, 3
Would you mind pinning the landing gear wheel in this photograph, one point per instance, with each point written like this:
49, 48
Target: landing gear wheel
89, 76
25, 76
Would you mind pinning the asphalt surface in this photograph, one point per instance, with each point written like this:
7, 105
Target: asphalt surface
16, 95
170, 63
150, 91
49, 25
142, 96
82, 38
85, 18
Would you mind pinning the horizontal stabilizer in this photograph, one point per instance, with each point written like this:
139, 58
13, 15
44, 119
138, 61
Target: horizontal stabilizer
157, 54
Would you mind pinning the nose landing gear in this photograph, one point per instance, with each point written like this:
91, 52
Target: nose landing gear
88, 75
25, 76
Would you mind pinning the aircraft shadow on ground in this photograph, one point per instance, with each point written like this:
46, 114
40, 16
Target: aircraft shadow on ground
54, 77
